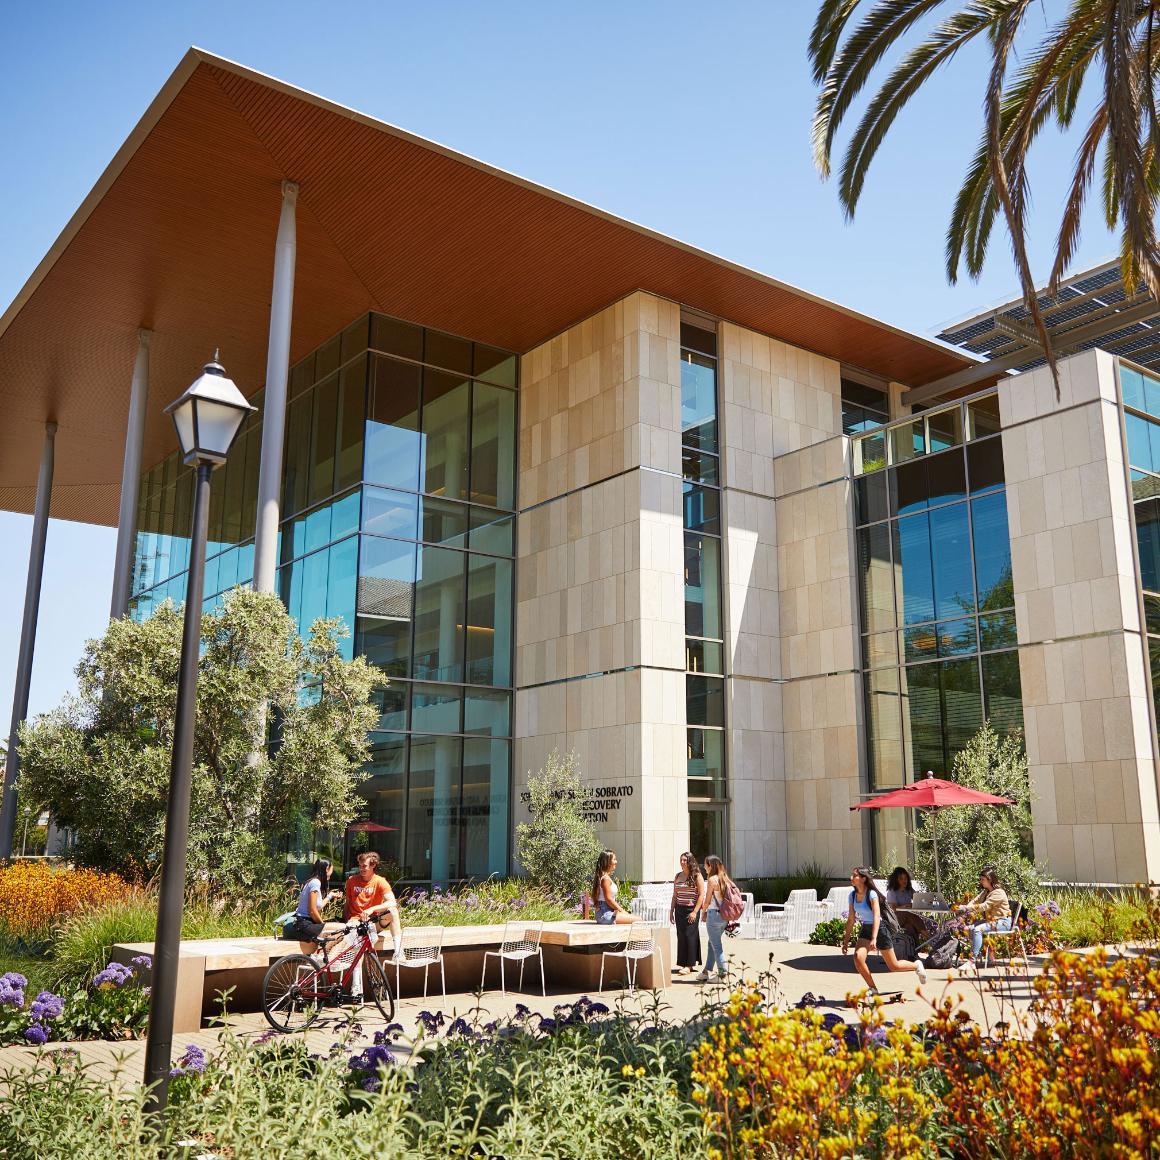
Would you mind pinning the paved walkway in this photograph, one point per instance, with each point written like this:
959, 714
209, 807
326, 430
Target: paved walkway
797, 970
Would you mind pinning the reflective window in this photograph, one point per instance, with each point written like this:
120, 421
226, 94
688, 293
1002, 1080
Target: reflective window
393, 442
493, 457
489, 619
440, 597
698, 401
702, 586
386, 585
446, 403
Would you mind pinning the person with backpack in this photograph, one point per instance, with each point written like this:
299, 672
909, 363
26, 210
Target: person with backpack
722, 905
878, 928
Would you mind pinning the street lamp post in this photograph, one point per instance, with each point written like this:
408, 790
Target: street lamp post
208, 417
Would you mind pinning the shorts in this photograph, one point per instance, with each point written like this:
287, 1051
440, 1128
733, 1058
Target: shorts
605, 916
302, 930
885, 941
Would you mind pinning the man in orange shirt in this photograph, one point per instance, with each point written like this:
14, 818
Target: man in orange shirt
369, 894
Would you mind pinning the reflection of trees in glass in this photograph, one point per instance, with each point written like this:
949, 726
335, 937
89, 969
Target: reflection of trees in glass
1001, 594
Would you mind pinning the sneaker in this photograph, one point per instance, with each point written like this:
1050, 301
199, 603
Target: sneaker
703, 977
920, 970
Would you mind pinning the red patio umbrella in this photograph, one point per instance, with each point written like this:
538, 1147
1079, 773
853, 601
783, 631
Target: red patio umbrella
932, 793
369, 828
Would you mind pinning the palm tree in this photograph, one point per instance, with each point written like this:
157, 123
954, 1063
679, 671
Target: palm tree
1115, 38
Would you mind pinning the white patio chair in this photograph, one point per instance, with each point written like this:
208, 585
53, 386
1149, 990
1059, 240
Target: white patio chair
422, 948
651, 902
747, 924
771, 920
521, 941
803, 913
636, 948
839, 899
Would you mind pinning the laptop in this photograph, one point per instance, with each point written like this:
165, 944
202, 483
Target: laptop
926, 900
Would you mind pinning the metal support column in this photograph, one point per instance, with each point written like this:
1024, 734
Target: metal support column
274, 401
27, 638
131, 479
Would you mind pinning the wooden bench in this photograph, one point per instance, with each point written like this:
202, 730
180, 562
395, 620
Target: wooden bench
572, 950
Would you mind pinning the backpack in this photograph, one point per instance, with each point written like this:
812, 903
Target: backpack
732, 905
943, 951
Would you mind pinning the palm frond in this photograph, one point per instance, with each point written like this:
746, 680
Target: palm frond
1069, 228
917, 67
827, 31
1002, 44
847, 76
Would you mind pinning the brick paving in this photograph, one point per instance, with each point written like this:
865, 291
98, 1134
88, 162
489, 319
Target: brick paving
799, 969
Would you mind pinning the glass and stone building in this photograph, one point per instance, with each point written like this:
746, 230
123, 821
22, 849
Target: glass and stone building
574, 485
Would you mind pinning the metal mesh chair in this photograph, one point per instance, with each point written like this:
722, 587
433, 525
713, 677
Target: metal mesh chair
636, 948
422, 948
1008, 938
521, 941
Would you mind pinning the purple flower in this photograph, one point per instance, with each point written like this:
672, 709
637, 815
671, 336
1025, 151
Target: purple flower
114, 975
36, 1034
14, 979
372, 1083
144, 962
191, 1063
46, 1005
460, 1027
522, 1011
875, 1037
431, 1020
547, 1026
597, 1009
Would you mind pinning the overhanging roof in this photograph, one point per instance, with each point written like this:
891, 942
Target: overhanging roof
178, 236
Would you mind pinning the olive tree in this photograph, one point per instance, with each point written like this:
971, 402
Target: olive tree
971, 837
558, 848
100, 762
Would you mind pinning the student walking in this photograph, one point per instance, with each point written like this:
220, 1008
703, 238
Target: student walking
878, 928
717, 881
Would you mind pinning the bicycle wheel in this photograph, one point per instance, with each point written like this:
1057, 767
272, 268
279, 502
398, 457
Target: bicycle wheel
375, 985
283, 1003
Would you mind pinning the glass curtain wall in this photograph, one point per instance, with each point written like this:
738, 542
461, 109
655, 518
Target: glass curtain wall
704, 641
936, 597
398, 505
1141, 395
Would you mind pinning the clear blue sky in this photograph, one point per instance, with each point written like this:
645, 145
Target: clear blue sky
690, 118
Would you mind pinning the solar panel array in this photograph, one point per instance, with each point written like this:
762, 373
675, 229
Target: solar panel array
1093, 297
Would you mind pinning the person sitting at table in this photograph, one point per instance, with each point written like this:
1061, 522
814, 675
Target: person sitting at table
900, 895
991, 905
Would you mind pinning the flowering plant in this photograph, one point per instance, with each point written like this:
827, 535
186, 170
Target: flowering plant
35, 898
23, 1019
115, 1006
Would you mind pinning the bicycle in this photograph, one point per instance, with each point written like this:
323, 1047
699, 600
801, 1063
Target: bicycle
297, 987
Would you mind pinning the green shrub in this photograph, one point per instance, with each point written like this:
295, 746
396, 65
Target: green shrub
493, 901
828, 933
1088, 918
85, 942
586, 1084
808, 876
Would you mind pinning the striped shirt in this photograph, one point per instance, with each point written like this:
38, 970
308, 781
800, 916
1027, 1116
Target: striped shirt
684, 894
